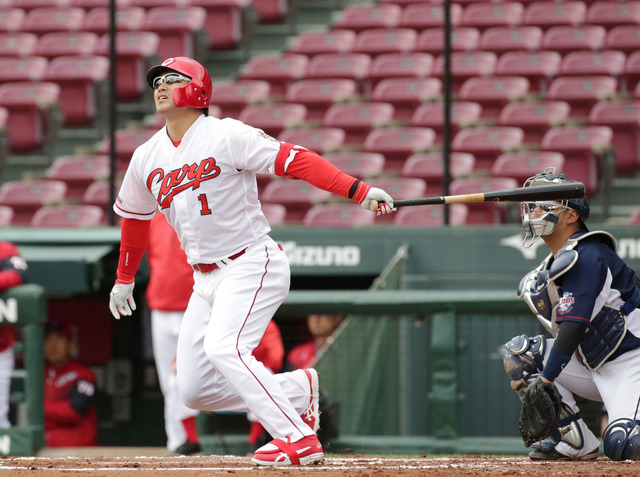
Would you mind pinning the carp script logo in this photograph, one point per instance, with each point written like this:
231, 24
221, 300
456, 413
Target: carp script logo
179, 180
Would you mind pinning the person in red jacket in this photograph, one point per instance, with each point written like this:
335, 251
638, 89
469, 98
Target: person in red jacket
13, 272
321, 328
70, 418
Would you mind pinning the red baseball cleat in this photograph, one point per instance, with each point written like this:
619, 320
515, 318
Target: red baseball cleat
305, 451
311, 415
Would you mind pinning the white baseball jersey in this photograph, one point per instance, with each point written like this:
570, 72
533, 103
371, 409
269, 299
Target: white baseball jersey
206, 187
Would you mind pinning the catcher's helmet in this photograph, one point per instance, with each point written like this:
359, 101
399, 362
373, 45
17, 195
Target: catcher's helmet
197, 93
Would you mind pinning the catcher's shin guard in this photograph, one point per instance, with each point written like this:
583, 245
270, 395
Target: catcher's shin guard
522, 359
622, 440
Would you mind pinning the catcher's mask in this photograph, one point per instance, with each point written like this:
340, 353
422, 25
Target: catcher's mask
540, 218
197, 93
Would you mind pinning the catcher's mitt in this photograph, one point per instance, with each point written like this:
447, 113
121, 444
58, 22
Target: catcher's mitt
540, 408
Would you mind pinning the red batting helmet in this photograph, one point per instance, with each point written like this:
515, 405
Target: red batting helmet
197, 93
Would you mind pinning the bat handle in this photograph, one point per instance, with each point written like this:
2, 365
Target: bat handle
373, 205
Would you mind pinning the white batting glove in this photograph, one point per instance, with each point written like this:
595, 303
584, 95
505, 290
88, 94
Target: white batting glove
121, 300
383, 200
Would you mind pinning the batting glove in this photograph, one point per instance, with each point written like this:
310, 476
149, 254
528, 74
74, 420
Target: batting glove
121, 300
384, 200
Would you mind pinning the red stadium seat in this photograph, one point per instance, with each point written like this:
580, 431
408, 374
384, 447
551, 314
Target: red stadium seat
631, 73
431, 40
421, 16
398, 188
399, 65
18, 44
406, 94
127, 140
584, 63
98, 193
226, 22
14, 69
485, 15
149, 4
177, 27
12, 20
431, 216
28, 5
465, 65
430, 167
487, 143
483, 213
30, 105
313, 43
320, 140
398, 143
511, 38
271, 11
68, 216
274, 118
78, 172
127, 19
583, 148
534, 118
90, 4
539, 67
548, 14
279, 70
25, 197
582, 92
319, 94
6, 216
232, 96
357, 119
47, 20
353, 66
634, 219
431, 115
624, 38
623, 117
358, 163
385, 40
521, 165
364, 17
338, 215
567, 39
608, 14
275, 213
296, 196
55, 44
493, 93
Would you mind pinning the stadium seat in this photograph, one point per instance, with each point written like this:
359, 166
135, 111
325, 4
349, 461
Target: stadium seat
25, 197
358, 163
546, 14
232, 96
149, 4
226, 22
98, 193
582, 92
357, 119
134, 52
431, 115
127, 140
624, 38
385, 40
80, 79
510, 38
398, 143
15, 68
319, 94
271, 11
96, 20
520, 165
583, 148
611, 14
278, 69
6, 216
406, 94
421, 16
353, 66
430, 167
364, 17
46, 20
32, 107
313, 43
483, 15
585, 63
398, 188
631, 72
274, 118
538, 67
465, 65
320, 140
18, 44
634, 219
487, 143
90, 4
275, 213
68, 216
399, 65
494, 92
177, 27
78, 172
431, 216
483, 213
28, 5
431, 40
64, 43
535, 117
623, 117
12, 20
338, 215
296, 196
566, 39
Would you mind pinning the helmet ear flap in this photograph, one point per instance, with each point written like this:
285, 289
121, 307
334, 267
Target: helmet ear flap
193, 94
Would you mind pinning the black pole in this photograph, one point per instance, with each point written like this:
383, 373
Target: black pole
112, 111
446, 84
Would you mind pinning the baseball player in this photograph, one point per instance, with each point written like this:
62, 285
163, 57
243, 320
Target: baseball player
587, 298
200, 172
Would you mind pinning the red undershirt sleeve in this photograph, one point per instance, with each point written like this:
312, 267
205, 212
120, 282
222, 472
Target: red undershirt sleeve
134, 238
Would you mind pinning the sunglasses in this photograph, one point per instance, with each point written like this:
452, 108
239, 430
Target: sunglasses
169, 78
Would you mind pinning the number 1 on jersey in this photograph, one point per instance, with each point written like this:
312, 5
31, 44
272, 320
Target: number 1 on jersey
205, 210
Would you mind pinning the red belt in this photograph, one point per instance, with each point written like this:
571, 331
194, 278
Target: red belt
205, 268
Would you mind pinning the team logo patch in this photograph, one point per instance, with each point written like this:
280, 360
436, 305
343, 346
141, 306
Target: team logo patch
565, 304
540, 305
264, 135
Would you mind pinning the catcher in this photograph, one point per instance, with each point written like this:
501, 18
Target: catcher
587, 298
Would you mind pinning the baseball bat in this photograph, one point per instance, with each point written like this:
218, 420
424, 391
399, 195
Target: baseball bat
569, 190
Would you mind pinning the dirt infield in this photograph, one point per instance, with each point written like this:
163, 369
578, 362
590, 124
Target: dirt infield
348, 466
